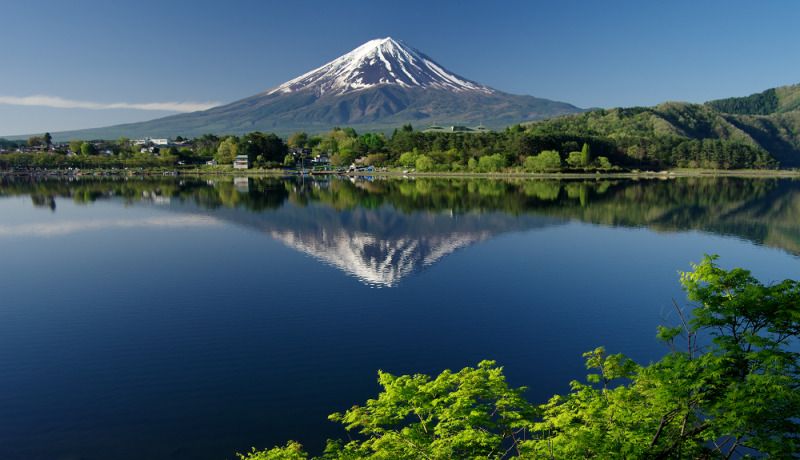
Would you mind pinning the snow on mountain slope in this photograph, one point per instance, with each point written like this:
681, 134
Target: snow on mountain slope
380, 85
379, 62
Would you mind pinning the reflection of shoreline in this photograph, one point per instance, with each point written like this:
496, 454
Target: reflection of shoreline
762, 211
280, 174
380, 232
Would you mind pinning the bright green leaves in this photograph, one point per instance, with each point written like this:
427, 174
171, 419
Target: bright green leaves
735, 304
639, 417
291, 451
547, 160
737, 395
755, 329
668, 334
610, 367
470, 413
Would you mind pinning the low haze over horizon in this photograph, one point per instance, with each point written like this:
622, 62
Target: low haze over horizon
96, 63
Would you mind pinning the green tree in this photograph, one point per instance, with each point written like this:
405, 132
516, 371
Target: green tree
35, 141
376, 159
335, 140
603, 163
185, 154
270, 146
373, 142
349, 132
548, 160
298, 140
291, 451
75, 146
728, 388
123, 144
205, 146
735, 395
344, 157
424, 163
408, 159
227, 150
472, 413
491, 163
586, 155
575, 160
87, 148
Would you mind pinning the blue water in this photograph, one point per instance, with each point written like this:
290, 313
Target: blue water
133, 328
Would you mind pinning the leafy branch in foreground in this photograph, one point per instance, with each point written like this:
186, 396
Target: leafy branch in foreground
730, 392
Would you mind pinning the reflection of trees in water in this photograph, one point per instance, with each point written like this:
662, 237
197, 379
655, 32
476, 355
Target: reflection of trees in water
761, 210
44, 201
260, 195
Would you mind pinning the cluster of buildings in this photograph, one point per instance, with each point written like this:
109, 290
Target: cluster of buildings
34, 149
305, 154
146, 145
154, 145
302, 156
151, 141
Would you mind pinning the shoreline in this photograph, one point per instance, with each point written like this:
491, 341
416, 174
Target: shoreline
201, 172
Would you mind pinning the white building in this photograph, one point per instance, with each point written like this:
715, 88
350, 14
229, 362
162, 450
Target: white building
149, 140
241, 162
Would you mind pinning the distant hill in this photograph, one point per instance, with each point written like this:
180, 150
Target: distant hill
774, 100
767, 121
381, 84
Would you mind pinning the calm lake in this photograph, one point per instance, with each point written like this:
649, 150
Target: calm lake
194, 318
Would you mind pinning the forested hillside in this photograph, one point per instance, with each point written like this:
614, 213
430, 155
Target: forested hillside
750, 132
773, 100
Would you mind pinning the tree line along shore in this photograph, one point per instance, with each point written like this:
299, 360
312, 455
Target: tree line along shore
538, 148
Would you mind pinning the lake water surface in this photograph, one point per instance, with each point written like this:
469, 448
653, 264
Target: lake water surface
193, 318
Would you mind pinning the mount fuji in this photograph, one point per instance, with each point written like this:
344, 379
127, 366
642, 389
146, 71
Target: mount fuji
379, 85
376, 63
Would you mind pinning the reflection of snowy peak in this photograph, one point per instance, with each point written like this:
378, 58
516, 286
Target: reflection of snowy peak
378, 246
382, 61
375, 261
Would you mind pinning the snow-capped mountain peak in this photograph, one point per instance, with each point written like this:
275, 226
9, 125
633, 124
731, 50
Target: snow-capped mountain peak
382, 61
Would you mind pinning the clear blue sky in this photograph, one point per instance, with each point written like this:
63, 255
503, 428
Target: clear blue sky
589, 53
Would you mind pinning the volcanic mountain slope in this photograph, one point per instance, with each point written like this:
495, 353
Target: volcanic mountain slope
379, 85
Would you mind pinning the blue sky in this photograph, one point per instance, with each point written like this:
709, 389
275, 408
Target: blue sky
85, 55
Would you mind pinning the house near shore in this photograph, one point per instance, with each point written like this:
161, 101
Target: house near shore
457, 129
241, 162
151, 141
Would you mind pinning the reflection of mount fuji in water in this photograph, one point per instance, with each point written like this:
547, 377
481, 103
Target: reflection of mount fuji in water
379, 246
380, 232
384, 230
376, 260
